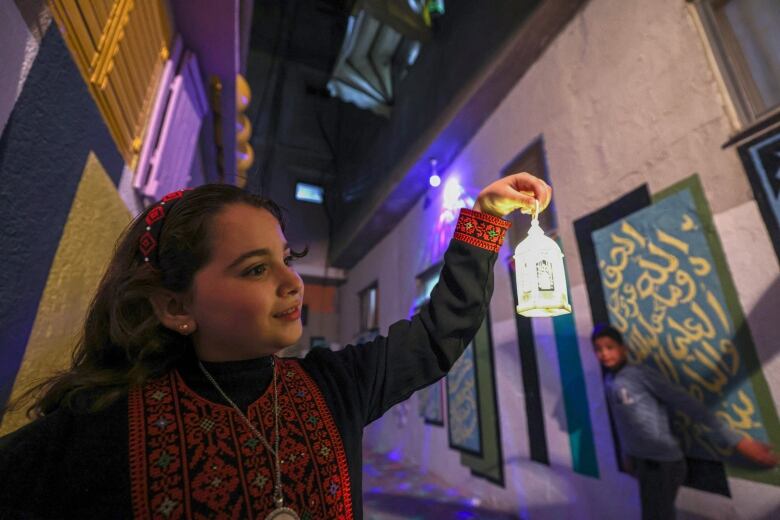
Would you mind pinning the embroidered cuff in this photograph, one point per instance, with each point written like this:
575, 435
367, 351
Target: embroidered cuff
481, 229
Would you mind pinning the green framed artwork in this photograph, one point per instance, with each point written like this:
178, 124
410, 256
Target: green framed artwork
704, 475
529, 375
490, 465
430, 399
431, 403
575, 395
463, 410
761, 159
669, 291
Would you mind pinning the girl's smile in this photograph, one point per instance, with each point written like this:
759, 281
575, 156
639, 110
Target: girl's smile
290, 314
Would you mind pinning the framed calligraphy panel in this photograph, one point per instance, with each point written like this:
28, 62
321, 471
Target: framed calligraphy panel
761, 159
463, 414
490, 465
668, 290
585, 226
431, 404
430, 400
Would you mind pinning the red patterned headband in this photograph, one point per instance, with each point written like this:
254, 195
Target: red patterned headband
148, 245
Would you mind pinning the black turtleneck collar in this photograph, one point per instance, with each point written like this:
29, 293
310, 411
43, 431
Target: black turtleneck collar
243, 381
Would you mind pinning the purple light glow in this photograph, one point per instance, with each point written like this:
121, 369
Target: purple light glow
453, 197
395, 455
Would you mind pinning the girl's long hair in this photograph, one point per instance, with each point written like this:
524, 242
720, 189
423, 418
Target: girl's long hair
123, 343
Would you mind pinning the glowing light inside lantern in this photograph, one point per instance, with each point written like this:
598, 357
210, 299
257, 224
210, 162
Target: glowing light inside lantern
541, 278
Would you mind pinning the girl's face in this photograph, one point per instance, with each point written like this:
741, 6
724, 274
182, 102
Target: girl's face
246, 301
609, 352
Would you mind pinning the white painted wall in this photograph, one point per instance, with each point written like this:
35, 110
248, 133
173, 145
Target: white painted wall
624, 96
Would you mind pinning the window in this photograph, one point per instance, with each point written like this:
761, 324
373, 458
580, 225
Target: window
745, 42
120, 49
369, 308
317, 342
306, 192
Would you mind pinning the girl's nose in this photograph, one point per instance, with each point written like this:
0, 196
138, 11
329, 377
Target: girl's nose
291, 282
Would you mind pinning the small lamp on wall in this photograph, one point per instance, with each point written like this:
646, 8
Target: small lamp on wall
541, 278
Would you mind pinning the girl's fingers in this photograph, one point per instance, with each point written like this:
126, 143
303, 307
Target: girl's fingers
517, 191
532, 187
549, 196
527, 201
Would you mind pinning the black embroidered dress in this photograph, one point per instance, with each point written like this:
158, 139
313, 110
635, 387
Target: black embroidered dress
175, 449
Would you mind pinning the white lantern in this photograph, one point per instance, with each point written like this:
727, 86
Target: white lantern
541, 278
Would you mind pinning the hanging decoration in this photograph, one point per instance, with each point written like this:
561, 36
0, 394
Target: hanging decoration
541, 278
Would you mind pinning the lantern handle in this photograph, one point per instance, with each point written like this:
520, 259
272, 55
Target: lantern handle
535, 211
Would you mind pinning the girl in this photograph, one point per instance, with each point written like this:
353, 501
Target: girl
176, 405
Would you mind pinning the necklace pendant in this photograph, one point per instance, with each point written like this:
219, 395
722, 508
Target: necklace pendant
282, 513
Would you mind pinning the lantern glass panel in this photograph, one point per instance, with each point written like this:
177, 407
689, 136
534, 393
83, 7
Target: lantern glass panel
541, 278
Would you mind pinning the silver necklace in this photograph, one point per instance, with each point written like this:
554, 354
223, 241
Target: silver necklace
281, 512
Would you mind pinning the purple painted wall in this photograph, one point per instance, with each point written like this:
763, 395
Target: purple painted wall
211, 30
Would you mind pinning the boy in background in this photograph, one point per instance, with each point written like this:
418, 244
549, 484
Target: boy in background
639, 398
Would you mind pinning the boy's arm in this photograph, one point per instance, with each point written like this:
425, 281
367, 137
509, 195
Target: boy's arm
675, 396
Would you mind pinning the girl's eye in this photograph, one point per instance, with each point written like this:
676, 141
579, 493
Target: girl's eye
256, 270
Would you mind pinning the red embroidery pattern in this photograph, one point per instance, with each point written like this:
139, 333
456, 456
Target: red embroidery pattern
191, 458
481, 229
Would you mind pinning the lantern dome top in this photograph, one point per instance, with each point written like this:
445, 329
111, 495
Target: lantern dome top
536, 239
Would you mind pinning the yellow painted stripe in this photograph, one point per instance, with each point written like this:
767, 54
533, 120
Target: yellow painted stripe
94, 223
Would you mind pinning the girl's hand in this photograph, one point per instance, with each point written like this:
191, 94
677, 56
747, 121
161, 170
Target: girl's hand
516, 191
757, 452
